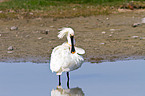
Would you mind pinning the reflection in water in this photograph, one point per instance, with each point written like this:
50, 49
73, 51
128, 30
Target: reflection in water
59, 91
122, 78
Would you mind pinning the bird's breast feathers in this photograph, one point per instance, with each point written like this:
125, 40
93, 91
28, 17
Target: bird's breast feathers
61, 57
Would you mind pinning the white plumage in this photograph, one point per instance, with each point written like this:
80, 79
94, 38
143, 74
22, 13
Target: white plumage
65, 58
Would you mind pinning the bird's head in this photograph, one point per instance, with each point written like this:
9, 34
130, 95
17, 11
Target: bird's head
69, 32
65, 31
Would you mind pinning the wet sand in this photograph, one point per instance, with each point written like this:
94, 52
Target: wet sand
104, 37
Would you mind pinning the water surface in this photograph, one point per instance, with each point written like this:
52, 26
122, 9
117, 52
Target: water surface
121, 78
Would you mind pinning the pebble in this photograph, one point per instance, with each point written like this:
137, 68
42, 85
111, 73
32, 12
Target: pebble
103, 32
27, 36
115, 29
110, 35
134, 37
143, 20
74, 8
42, 25
39, 18
59, 29
142, 38
102, 43
13, 28
135, 24
52, 26
1, 11
0, 35
37, 31
31, 13
44, 32
9, 52
40, 38
112, 29
54, 19
10, 48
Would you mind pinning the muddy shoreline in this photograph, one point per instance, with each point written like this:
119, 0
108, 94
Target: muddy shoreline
104, 37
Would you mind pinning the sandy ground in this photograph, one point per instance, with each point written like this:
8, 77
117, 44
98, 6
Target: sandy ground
109, 37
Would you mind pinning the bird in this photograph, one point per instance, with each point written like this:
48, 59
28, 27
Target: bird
66, 57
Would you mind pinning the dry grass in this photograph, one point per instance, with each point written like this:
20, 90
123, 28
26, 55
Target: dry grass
72, 10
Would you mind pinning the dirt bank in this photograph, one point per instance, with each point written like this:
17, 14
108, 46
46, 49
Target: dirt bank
108, 37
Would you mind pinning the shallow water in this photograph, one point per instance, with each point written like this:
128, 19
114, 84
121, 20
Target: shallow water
121, 78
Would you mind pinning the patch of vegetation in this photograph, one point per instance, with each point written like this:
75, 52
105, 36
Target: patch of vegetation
58, 8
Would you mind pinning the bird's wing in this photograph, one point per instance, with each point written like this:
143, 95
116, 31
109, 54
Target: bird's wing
80, 50
59, 58
55, 62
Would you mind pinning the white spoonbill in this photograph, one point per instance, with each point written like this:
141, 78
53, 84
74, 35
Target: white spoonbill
66, 57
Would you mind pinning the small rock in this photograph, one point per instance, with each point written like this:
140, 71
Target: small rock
107, 18
10, 48
103, 32
27, 36
44, 32
1, 11
37, 31
135, 37
74, 8
0, 35
143, 21
102, 43
51, 26
40, 38
59, 29
11, 11
42, 25
142, 38
135, 24
108, 24
31, 13
54, 19
110, 35
39, 18
112, 29
9, 52
13, 28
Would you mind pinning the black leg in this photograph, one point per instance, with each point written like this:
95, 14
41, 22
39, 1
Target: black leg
68, 80
59, 81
